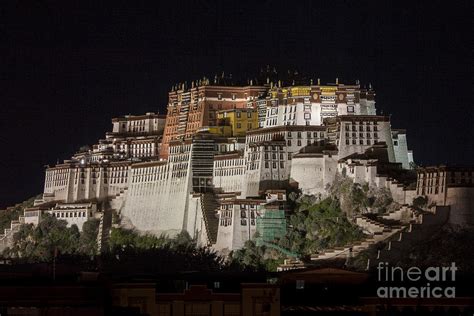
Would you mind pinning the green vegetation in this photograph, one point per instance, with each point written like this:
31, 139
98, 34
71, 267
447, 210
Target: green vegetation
318, 226
144, 253
313, 226
355, 198
255, 258
11, 214
51, 237
123, 238
129, 250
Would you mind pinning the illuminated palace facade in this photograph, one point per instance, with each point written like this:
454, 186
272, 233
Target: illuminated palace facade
219, 163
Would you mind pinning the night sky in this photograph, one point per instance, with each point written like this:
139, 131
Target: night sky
67, 70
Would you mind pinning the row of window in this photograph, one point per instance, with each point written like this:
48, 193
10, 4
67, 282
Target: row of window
70, 214
361, 135
229, 162
275, 165
361, 142
228, 172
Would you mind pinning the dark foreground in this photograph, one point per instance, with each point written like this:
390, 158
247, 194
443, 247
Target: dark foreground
42, 289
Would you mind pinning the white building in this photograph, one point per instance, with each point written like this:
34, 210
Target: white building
449, 186
356, 133
74, 213
400, 148
267, 167
310, 105
229, 171
150, 123
314, 168
237, 223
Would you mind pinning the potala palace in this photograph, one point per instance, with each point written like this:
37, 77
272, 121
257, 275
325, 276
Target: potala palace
221, 162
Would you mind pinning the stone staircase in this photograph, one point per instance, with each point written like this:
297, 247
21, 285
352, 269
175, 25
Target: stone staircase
377, 232
6, 239
418, 230
209, 206
105, 217
118, 200
103, 233
404, 214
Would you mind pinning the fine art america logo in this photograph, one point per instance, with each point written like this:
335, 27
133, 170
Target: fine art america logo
432, 282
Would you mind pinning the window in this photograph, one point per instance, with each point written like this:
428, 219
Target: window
299, 142
219, 97
233, 96
347, 142
289, 142
282, 165
239, 125
289, 134
266, 164
368, 141
361, 142
249, 114
350, 109
238, 114
375, 135
395, 143
353, 142
274, 165
299, 134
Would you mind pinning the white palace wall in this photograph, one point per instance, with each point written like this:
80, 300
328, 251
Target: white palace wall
157, 198
313, 173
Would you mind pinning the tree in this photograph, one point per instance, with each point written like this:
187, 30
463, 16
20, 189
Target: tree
88, 239
318, 226
40, 243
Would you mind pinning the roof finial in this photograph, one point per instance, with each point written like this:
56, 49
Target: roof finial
319, 82
337, 80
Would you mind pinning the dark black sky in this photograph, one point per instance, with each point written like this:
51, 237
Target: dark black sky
66, 69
